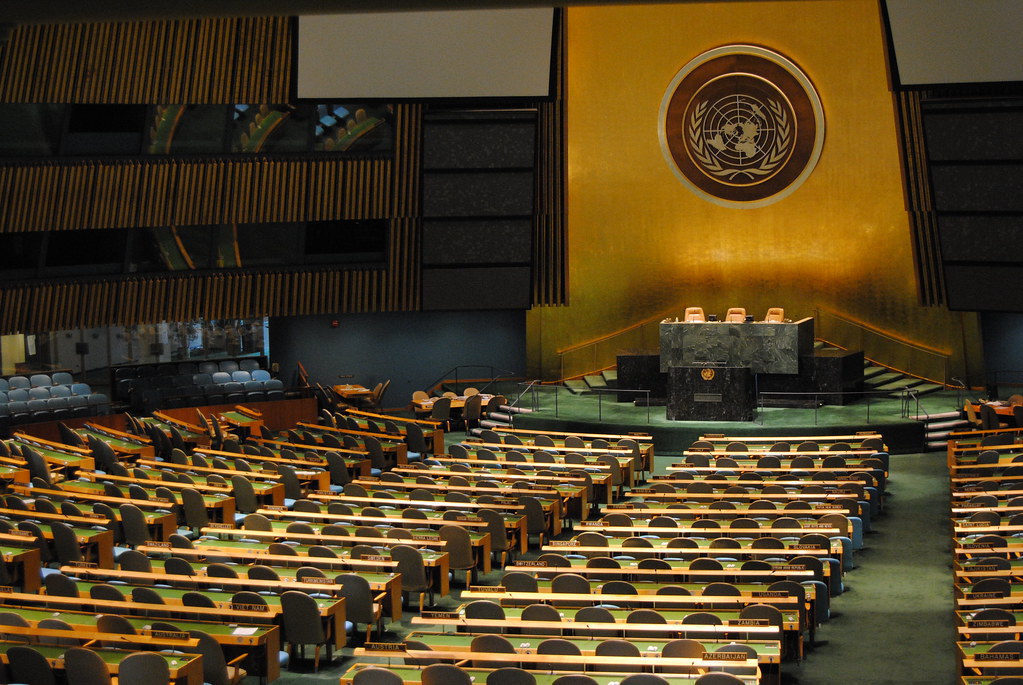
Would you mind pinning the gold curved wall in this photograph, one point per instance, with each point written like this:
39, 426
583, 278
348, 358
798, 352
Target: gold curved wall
641, 244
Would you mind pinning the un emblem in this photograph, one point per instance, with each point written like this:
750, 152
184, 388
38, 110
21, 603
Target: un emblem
741, 126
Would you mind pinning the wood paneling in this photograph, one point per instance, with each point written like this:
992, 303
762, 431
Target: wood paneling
198, 61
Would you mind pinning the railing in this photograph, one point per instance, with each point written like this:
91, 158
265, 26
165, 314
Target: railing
535, 388
602, 353
457, 376
813, 400
883, 349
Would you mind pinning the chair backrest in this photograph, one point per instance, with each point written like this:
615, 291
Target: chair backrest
694, 315
373, 675
444, 674
735, 315
459, 546
26, 665
775, 315
144, 668
85, 667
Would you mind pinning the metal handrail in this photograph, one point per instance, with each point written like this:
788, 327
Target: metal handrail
495, 375
911, 350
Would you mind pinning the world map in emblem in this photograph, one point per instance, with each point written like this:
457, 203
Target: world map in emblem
741, 126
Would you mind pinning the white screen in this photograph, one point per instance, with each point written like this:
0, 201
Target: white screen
442, 54
957, 41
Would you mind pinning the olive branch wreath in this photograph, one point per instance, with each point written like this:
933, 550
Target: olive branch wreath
778, 152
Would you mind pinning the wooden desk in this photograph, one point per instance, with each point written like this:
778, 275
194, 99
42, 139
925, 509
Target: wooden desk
185, 669
411, 675
351, 391
219, 549
262, 642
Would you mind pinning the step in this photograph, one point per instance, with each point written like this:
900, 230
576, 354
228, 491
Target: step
937, 446
595, 381
871, 371
490, 423
610, 377
938, 415
944, 425
881, 379
902, 383
576, 386
926, 388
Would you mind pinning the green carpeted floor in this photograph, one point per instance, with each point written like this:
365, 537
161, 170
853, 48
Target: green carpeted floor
894, 623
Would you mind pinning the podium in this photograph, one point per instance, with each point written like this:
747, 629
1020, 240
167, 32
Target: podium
711, 393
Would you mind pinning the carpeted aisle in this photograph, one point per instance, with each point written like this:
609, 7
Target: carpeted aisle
895, 621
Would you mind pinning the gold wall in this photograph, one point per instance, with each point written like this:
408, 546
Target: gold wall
641, 244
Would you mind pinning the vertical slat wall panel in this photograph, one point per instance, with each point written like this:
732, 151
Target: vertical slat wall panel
919, 205
199, 61
549, 239
404, 280
116, 194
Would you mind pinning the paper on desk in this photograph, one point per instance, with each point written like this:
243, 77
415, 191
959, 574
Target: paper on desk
241, 630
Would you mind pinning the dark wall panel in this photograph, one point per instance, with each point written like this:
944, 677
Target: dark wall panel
969, 135
977, 187
412, 349
981, 238
498, 241
480, 145
985, 288
502, 193
476, 288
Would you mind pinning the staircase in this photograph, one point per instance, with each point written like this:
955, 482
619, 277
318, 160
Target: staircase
608, 378
936, 426
882, 379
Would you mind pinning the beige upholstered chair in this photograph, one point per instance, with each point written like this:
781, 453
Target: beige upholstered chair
694, 315
735, 315
775, 315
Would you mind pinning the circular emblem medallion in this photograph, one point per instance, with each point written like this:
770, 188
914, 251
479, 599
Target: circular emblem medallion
741, 126
707, 374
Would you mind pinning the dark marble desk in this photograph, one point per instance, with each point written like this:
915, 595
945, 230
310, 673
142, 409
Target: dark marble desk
757, 345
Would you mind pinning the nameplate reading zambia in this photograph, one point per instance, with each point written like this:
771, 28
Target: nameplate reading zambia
747, 622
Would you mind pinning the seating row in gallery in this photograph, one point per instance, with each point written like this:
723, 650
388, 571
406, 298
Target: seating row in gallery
46, 397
